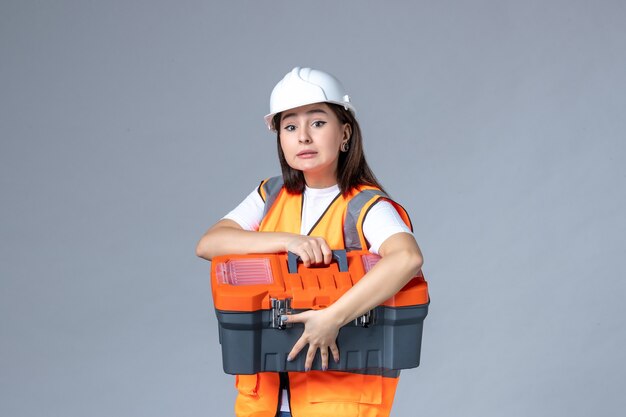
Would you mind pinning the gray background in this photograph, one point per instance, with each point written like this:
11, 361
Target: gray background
129, 127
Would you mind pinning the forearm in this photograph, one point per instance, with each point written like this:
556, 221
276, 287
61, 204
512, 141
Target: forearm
226, 237
389, 275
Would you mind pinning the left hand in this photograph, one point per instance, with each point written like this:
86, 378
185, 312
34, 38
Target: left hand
320, 332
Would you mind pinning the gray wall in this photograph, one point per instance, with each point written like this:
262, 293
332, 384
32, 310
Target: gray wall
129, 127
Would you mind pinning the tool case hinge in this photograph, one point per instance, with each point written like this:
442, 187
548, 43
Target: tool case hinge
279, 309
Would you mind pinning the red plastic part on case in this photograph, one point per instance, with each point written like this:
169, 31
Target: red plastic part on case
250, 271
369, 261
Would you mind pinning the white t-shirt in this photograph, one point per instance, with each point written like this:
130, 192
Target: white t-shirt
381, 221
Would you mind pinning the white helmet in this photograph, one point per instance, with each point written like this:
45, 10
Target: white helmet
304, 86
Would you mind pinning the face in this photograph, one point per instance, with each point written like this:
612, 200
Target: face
310, 137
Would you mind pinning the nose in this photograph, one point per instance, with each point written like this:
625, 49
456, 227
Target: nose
304, 136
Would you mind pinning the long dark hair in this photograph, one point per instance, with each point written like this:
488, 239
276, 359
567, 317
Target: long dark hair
352, 168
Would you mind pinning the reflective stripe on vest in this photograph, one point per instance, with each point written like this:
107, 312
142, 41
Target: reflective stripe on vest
269, 190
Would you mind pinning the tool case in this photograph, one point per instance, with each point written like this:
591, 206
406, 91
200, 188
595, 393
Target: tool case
252, 292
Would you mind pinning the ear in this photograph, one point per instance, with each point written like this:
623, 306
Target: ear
347, 131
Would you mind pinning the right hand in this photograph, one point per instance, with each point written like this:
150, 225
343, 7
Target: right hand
311, 250
320, 332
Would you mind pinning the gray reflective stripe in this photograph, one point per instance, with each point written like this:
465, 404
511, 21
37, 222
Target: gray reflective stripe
272, 188
355, 206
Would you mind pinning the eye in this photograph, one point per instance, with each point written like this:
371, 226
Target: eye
290, 128
318, 123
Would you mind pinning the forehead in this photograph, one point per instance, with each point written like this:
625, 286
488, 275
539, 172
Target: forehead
309, 109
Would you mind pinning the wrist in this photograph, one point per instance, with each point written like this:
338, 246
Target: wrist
285, 241
335, 315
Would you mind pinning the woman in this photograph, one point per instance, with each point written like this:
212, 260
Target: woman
327, 198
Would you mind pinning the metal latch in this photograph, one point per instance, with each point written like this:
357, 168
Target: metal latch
280, 308
365, 320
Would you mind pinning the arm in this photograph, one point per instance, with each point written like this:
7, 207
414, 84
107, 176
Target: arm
228, 237
401, 260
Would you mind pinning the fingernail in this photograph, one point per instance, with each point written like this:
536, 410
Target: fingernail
284, 317
324, 368
289, 358
307, 369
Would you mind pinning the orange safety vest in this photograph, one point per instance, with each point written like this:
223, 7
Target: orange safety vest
319, 393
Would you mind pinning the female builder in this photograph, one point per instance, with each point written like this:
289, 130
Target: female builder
327, 198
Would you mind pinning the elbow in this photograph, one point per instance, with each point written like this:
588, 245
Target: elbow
405, 253
200, 251
203, 249
411, 260
415, 261
214, 242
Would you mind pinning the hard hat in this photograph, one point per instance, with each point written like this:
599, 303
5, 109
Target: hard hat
302, 86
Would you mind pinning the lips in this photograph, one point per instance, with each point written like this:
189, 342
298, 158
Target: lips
306, 153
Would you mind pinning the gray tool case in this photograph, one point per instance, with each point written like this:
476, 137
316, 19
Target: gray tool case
252, 292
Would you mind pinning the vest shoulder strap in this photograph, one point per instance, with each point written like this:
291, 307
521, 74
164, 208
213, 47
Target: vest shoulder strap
269, 190
357, 209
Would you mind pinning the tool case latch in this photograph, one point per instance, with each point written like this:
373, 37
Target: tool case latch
280, 308
365, 320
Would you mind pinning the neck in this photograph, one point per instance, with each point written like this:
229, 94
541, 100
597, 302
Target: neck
320, 180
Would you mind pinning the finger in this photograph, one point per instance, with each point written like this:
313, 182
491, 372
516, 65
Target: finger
328, 254
309, 257
304, 257
324, 355
318, 255
294, 318
301, 343
310, 355
335, 351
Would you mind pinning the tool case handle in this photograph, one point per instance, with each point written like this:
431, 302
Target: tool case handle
339, 255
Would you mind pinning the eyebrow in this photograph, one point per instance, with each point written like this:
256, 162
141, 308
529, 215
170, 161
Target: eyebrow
309, 112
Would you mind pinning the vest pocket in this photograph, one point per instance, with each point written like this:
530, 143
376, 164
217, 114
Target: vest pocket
329, 387
247, 384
